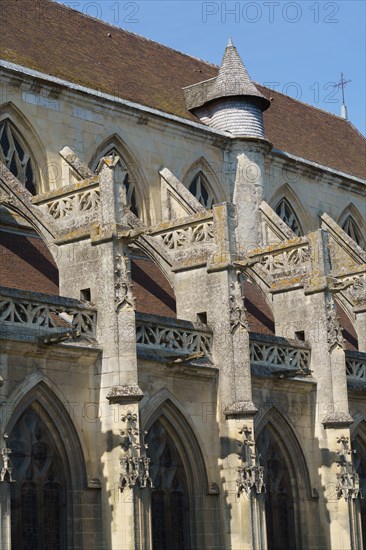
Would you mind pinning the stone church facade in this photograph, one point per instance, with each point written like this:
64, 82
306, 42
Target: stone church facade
182, 301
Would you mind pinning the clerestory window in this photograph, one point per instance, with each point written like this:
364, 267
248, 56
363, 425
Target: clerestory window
352, 230
200, 188
16, 157
287, 214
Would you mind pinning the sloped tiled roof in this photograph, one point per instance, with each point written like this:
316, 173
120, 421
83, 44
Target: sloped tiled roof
53, 39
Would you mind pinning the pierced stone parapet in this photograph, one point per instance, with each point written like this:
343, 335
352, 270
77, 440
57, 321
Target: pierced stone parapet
72, 200
280, 355
186, 236
170, 335
356, 366
197, 229
352, 287
46, 313
281, 265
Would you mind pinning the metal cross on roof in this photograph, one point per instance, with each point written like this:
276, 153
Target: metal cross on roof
341, 85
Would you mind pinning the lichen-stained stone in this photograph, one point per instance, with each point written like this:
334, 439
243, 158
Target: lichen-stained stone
175, 373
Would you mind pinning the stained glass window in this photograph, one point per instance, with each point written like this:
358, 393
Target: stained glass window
169, 498
38, 497
279, 504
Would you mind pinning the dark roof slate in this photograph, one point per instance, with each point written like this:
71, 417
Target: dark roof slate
58, 41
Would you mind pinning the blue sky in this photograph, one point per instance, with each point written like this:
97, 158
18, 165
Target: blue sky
299, 48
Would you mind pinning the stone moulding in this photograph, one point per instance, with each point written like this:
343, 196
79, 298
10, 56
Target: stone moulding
46, 313
129, 393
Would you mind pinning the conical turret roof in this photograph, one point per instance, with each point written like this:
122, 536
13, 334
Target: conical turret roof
232, 80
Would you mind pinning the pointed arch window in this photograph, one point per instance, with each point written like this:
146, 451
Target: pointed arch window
200, 188
124, 177
279, 498
16, 156
38, 498
352, 230
359, 448
169, 498
287, 214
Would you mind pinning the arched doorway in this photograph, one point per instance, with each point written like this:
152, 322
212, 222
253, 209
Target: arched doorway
170, 510
38, 498
279, 496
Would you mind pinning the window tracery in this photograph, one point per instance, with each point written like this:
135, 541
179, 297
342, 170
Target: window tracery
287, 214
200, 188
352, 230
169, 497
16, 157
279, 502
38, 497
359, 449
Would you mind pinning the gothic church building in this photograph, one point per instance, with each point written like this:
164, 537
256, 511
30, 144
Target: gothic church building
182, 300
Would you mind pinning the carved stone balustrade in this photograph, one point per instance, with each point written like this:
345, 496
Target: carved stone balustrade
80, 199
188, 241
281, 265
356, 367
172, 336
276, 356
195, 229
50, 318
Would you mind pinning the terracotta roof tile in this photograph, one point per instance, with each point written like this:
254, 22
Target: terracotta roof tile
56, 40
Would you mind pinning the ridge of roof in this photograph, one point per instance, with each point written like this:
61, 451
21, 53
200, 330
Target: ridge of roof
137, 35
339, 117
142, 72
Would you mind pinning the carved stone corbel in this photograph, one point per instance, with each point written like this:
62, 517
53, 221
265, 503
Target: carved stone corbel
348, 482
251, 474
123, 295
238, 316
334, 331
6, 470
134, 464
